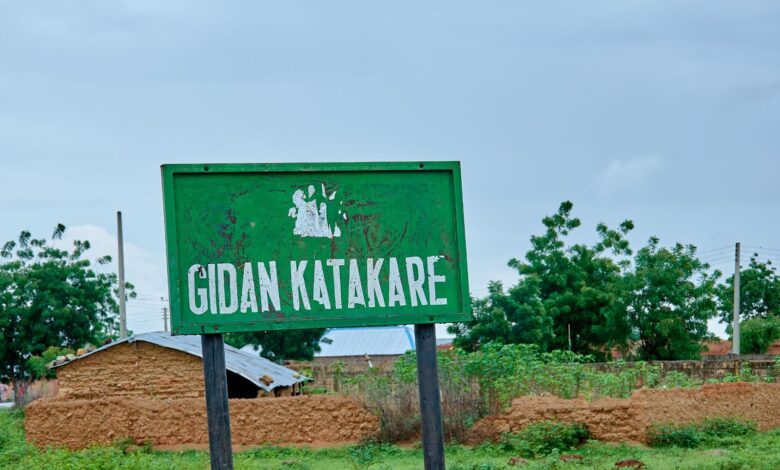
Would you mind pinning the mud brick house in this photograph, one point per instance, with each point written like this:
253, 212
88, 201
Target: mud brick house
159, 365
149, 389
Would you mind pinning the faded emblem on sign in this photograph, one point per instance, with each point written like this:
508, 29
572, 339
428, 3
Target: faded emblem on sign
317, 215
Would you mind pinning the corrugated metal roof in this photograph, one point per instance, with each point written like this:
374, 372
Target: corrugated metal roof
374, 341
249, 366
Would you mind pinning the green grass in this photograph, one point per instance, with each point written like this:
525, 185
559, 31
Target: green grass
759, 451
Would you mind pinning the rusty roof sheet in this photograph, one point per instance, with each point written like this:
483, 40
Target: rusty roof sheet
249, 366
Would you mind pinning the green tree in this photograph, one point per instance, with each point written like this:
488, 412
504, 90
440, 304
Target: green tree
279, 346
758, 334
759, 293
668, 296
576, 284
510, 317
561, 287
49, 297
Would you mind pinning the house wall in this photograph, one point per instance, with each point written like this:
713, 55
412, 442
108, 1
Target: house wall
136, 369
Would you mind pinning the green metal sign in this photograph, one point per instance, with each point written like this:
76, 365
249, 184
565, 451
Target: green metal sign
255, 247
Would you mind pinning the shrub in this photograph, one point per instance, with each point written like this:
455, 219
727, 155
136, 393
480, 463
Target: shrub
545, 437
674, 435
715, 428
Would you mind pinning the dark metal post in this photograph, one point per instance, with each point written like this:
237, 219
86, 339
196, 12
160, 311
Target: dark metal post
215, 377
430, 402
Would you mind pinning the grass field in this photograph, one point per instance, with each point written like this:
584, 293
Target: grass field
761, 451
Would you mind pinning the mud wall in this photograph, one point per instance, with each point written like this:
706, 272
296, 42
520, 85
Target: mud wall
317, 420
627, 419
711, 367
136, 369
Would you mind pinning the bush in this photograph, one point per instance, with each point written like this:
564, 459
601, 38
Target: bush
717, 428
693, 435
757, 334
674, 435
543, 438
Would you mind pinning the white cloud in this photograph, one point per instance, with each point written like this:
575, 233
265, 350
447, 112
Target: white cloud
622, 175
145, 270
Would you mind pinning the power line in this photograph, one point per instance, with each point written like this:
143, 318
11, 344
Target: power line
762, 248
714, 250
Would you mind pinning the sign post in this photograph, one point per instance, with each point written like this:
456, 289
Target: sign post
217, 407
430, 406
259, 247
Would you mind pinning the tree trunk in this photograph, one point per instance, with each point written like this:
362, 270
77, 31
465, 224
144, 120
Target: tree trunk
20, 387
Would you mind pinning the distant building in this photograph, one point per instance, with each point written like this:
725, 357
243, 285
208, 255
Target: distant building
159, 365
381, 343
359, 349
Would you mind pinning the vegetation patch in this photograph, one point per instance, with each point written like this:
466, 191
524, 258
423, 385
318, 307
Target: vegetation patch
708, 431
544, 438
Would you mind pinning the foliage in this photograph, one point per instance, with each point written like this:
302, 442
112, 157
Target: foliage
394, 398
573, 285
594, 298
667, 299
715, 428
710, 430
38, 364
677, 435
543, 438
757, 334
475, 384
759, 293
50, 297
516, 316
279, 346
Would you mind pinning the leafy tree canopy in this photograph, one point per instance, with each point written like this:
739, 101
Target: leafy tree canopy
561, 287
759, 293
50, 297
656, 303
279, 346
666, 300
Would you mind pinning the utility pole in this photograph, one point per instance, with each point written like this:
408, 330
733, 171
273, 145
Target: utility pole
735, 326
121, 267
165, 319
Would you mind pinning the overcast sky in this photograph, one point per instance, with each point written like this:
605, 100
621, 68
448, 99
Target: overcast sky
667, 113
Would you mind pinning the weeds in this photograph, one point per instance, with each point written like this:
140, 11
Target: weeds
544, 438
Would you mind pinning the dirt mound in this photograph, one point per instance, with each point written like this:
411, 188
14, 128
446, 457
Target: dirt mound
618, 420
317, 420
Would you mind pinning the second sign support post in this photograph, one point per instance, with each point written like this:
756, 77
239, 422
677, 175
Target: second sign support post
430, 401
217, 405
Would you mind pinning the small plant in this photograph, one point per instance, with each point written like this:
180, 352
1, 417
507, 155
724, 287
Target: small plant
677, 379
674, 435
367, 453
147, 447
543, 438
123, 444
